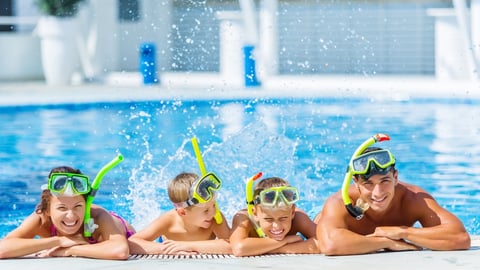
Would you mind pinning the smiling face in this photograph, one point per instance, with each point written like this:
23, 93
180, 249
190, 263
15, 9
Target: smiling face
276, 222
201, 215
67, 213
378, 190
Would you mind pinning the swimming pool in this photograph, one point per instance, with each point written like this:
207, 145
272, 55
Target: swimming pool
306, 141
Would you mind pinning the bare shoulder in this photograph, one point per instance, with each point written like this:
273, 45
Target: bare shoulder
413, 194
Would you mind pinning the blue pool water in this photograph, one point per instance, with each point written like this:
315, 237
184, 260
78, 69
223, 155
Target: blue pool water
306, 141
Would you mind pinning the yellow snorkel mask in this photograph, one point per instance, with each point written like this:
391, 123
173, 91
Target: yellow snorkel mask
202, 190
359, 209
209, 176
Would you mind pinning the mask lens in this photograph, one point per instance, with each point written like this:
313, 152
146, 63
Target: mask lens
268, 197
206, 186
290, 195
80, 184
58, 183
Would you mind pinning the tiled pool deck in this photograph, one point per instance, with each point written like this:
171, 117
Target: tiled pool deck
210, 86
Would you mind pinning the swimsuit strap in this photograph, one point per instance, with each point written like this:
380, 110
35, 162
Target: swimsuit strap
53, 230
128, 231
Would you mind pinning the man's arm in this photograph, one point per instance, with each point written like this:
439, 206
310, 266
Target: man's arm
441, 230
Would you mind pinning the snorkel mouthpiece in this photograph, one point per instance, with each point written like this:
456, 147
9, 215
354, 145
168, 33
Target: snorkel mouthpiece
359, 209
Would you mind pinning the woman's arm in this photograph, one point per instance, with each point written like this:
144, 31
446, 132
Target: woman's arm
112, 245
20, 242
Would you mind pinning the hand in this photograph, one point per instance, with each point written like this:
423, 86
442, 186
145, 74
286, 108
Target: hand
293, 238
176, 247
68, 241
401, 245
52, 252
391, 232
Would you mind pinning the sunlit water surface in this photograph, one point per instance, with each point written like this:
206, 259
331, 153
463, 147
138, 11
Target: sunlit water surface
306, 141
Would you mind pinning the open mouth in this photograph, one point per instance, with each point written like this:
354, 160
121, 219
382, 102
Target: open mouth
276, 233
70, 223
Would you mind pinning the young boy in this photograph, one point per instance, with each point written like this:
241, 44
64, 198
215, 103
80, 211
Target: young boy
190, 228
272, 224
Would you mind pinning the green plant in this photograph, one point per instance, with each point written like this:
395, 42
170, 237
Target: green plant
58, 8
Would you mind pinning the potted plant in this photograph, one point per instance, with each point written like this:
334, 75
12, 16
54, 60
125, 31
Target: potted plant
58, 32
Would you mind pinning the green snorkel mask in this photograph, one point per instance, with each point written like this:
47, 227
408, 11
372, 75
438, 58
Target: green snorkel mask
358, 210
201, 165
88, 223
250, 202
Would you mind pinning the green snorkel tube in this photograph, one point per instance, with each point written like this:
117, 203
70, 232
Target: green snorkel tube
203, 171
88, 223
357, 211
249, 195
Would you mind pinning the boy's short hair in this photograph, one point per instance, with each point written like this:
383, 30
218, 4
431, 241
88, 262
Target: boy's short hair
179, 187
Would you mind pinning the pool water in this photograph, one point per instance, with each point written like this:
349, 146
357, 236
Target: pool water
306, 141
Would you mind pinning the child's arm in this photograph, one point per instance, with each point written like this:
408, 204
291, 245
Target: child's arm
216, 246
244, 245
143, 242
302, 224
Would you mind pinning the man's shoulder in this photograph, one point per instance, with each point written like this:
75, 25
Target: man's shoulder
413, 193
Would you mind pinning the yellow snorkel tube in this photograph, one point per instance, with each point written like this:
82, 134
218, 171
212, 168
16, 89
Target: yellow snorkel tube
203, 171
88, 222
249, 196
357, 211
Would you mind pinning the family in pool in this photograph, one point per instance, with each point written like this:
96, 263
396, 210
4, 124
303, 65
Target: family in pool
388, 215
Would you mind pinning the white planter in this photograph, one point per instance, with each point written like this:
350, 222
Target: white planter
59, 48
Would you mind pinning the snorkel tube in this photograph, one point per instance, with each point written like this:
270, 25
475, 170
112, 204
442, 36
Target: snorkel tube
88, 223
249, 195
357, 211
203, 171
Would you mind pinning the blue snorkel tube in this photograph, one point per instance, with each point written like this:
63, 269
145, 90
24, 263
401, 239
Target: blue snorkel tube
88, 223
357, 211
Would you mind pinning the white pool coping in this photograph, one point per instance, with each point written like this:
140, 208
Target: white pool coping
426, 259
208, 86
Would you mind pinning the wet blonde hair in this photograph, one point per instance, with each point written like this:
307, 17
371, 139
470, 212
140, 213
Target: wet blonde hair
179, 187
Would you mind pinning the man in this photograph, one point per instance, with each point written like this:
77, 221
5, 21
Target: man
385, 213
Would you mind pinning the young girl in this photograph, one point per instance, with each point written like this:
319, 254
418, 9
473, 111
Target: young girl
58, 223
191, 227
272, 223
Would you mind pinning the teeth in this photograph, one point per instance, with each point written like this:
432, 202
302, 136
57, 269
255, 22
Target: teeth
70, 223
276, 232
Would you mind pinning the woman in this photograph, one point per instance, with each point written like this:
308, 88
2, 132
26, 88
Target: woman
56, 227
